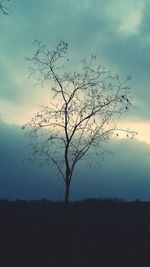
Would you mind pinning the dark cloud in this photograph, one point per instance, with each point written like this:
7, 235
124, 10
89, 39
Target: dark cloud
124, 174
18, 179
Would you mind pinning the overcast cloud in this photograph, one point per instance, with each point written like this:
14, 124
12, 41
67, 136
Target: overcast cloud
118, 33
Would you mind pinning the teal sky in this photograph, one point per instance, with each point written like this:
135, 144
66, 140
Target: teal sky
117, 31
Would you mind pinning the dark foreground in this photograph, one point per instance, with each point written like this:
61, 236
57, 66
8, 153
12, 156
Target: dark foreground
93, 234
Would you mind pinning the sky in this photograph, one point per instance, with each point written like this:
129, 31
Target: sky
117, 32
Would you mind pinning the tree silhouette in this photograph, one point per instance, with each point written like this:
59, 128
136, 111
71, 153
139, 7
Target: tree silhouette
83, 112
3, 7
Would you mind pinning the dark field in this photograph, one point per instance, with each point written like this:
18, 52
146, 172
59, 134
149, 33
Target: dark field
93, 233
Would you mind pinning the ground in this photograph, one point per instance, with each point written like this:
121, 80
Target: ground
93, 233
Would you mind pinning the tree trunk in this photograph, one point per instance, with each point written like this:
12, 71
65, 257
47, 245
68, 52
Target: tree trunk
67, 191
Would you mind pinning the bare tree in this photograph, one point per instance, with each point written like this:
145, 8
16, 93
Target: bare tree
3, 7
82, 115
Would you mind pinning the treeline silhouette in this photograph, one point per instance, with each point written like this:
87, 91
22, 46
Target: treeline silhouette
95, 233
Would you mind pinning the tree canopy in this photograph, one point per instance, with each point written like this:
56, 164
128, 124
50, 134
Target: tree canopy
83, 111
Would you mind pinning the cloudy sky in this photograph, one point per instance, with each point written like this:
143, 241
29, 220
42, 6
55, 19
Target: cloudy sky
118, 33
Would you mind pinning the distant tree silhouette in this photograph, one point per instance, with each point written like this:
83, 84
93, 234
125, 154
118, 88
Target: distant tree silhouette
3, 7
82, 114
